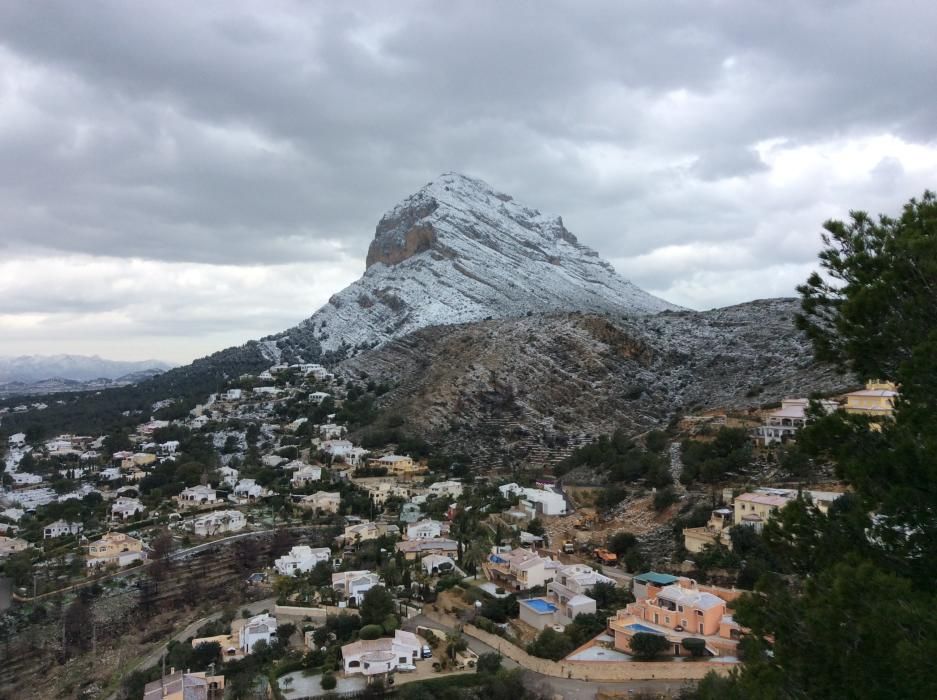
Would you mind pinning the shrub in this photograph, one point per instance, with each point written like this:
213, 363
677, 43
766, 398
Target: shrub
646, 646
694, 645
489, 663
390, 623
328, 682
370, 632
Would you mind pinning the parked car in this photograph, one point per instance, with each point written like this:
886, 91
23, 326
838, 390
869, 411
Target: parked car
427, 652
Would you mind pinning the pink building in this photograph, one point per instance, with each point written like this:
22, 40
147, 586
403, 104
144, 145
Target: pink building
678, 611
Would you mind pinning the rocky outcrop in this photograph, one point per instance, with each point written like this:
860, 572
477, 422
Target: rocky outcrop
528, 390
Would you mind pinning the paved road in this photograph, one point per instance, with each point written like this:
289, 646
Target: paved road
567, 689
178, 554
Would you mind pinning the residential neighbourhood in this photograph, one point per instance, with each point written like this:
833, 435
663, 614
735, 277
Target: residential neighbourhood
351, 521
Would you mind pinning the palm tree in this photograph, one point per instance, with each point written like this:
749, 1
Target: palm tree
474, 556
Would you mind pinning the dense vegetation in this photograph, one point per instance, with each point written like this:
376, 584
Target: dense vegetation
623, 459
856, 621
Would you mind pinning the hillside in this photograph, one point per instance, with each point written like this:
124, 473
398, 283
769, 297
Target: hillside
510, 390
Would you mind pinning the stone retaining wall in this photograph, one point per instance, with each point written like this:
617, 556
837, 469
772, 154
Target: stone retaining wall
588, 670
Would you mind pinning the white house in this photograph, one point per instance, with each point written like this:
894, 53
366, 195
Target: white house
307, 473
59, 528
536, 500
300, 559
229, 476
25, 478
273, 461
218, 522
567, 597
248, 491
17, 440
197, 496
437, 564
232, 395
260, 627
109, 474
427, 529
378, 658
354, 584
519, 569
329, 431
452, 489
318, 397
125, 508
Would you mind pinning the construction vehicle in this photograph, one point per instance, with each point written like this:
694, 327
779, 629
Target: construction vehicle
569, 547
606, 557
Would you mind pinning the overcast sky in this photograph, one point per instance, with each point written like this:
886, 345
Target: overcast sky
179, 177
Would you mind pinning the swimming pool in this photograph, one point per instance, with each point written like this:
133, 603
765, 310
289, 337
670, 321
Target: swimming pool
540, 605
638, 627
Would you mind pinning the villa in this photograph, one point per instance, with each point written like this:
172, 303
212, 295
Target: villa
379, 658
115, 548
519, 569
218, 522
567, 597
677, 611
352, 585
301, 559
196, 496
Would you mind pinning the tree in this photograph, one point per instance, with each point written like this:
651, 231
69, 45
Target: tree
161, 548
876, 301
455, 643
551, 644
328, 681
376, 605
78, 625
854, 626
647, 646
489, 662
370, 632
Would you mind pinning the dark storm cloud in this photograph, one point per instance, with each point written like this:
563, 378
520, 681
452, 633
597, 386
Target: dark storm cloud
235, 133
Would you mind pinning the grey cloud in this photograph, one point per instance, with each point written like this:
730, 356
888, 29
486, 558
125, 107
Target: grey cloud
244, 133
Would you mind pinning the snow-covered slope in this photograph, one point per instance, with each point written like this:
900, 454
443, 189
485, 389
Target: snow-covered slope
460, 251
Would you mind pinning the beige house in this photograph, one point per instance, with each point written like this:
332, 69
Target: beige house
12, 545
322, 501
877, 399
714, 531
115, 548
361, 532
185, 686
419, 548
398, 465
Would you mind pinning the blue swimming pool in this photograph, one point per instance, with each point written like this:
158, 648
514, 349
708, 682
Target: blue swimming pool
540, 605
638, 627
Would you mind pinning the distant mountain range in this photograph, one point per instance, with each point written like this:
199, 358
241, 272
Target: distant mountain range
45, 374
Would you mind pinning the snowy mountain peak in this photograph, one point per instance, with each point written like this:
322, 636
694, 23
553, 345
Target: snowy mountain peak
458, 251
457, 206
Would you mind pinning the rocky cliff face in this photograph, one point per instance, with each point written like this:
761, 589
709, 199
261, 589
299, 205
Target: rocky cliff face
459, 251
527, 390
